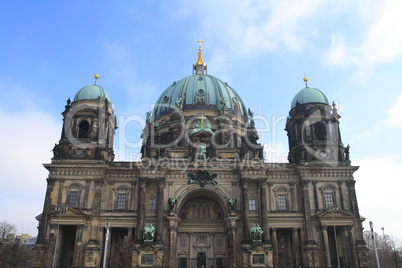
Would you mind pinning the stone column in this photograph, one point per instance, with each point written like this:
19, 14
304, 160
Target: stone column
341, 194
315, 195
275, 245
355, 209
307, 213
262, 183
245, 209
141, 208
59, 196
86, 194
350, 247
46, 210
79, 251
296, 246
327, 257
293, 205
95, 237
159, 209
172, 240
133, 185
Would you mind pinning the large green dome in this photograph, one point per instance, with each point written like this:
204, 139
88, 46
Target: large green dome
200, 92
92, 92
309, 95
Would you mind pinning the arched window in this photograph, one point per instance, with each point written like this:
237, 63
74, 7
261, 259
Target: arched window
328, 192
319, 131
73, 195
83, 129
282, 195
121, 197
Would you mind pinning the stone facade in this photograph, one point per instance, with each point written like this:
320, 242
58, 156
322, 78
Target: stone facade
202, 194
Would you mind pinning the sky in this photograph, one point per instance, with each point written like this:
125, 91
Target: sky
350, 50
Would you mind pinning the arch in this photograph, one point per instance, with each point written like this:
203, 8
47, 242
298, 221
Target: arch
75, 186
83, 129
188, 192
320, 131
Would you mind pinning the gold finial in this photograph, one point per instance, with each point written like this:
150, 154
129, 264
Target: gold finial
305, 79
199, 44
96, 76
200, 66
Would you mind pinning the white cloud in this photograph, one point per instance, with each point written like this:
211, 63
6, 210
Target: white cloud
26, 143
257, 26
394, 114
378, 185
27, 138
380, 41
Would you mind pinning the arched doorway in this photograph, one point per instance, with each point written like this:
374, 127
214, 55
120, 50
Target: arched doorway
202, 239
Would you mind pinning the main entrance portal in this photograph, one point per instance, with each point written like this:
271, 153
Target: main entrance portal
202, 239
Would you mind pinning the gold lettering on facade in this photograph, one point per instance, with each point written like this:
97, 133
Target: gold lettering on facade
227, 155
177, 154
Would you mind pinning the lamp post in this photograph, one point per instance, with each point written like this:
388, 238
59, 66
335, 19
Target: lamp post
106, 242
60, 209
384, 237
334, 208
374, 244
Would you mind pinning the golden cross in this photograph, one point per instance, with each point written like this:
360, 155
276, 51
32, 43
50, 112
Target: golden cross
199, 43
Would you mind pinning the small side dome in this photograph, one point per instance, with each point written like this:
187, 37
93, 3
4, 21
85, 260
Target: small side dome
92, 92
309, 95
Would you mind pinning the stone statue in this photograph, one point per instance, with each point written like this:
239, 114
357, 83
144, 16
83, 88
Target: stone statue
202, 151
179, 103
149, 232
256, 233
148, 117
224, 107
347, 152
172, 202
56, 151
251, 115
232, 203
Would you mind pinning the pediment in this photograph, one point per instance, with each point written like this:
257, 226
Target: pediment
335, 215
70, 212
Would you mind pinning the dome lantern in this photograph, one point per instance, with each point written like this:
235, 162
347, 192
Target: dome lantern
200, 67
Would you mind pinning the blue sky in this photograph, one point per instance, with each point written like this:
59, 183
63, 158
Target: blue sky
350, 50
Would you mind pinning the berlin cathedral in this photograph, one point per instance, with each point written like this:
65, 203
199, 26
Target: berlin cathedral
202, 195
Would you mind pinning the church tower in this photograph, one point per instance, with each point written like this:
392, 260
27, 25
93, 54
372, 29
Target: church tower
88, 126
313, 130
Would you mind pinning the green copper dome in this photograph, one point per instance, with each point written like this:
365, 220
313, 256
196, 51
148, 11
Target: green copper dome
200, 92
92, 92
309, 95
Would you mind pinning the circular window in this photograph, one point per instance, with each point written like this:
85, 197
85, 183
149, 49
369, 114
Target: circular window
235, 100
165, 99
200, 92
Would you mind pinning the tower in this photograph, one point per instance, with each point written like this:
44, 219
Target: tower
313, 130
88, 126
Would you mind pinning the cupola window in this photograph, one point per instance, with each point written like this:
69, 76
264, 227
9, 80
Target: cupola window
319, 131
83, 129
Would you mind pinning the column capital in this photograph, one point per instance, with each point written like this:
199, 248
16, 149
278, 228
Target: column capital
50, 182
262, 182
98, 182
305, 183
161, 182
142, 181
244, 182
351, 183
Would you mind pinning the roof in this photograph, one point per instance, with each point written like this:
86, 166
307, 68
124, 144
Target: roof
309, 95
92, 92
199, 92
